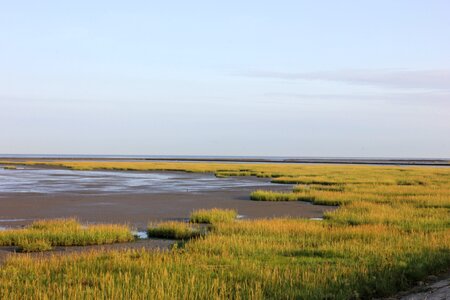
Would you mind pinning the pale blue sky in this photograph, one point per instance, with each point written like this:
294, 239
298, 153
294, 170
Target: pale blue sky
279, 78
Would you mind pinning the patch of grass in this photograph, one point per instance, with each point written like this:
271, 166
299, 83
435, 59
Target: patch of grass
65, 232
304, 180
399, 215
212, 216
173, 230
34, 245
224, 174
262, 195
10, 167
69, 224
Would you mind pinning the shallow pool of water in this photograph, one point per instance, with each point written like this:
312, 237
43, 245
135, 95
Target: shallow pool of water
30, 180
141, 234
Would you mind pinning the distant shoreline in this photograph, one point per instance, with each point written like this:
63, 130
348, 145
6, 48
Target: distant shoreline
351, 161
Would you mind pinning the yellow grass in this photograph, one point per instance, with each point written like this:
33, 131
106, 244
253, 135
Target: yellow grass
173, 230
213, 216
64, 232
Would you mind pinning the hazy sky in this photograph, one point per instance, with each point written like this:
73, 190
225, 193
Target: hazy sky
295, 78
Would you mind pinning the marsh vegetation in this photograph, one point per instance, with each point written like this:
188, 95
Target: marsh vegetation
43, 235
213, 216
174, 230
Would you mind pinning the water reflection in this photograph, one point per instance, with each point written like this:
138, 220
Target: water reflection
54, 181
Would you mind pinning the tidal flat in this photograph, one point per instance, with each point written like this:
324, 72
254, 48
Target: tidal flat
384, 229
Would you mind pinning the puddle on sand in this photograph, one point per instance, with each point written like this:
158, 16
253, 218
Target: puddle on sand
140, 234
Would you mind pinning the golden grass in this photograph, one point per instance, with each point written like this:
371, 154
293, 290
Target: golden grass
277, 259
10, 167
64, 232
262, 195
213, 216
173, 230
34, 245
392, 229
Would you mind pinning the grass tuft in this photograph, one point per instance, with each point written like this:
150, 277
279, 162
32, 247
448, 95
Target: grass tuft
10, 167
262, 195
65, 232
36, 245
173, 230
212, 216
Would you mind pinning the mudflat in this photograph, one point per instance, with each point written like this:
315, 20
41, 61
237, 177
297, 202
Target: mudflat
115, 197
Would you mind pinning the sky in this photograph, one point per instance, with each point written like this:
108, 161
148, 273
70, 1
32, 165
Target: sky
246, 78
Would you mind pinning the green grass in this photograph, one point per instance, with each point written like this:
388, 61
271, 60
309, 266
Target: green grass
173, 230
65, 232
212, 216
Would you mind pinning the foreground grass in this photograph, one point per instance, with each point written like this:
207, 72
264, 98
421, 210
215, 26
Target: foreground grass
392, 229
277, 259
44, 234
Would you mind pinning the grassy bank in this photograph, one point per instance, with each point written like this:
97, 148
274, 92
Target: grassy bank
45, 234
392, 229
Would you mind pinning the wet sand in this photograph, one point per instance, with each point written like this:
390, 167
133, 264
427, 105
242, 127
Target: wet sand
138, 209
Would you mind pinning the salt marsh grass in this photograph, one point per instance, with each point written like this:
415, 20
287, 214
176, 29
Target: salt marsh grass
212, 216
64, 232
40, 245
174, 230
262, 195
276, 259
10, 167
